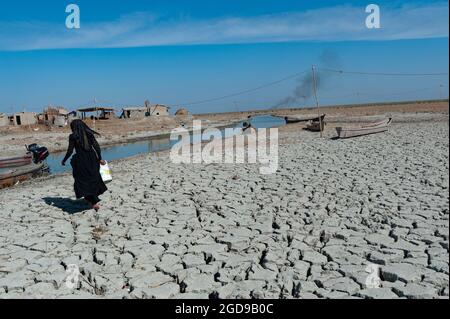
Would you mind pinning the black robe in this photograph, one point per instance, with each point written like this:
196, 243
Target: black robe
86, 170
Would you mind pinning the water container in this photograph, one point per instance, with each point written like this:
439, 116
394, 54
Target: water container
105, 172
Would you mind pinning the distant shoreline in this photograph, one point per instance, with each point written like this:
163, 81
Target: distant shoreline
326, 107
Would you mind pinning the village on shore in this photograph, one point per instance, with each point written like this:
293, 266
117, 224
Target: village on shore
59, 116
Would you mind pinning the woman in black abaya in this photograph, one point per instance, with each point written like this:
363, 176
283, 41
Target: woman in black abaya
85, 163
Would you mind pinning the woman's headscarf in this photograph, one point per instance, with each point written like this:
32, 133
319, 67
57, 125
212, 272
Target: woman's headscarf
83, 134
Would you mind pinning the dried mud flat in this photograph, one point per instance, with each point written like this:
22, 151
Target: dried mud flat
311, 230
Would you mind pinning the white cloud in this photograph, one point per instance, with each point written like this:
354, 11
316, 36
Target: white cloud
342, 23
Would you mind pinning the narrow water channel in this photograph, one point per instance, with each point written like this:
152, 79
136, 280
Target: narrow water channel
151, 145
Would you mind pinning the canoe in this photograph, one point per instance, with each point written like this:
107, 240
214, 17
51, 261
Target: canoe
11, 177
366, 129
16, 161
292, 120
295, 119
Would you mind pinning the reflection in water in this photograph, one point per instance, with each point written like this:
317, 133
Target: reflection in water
151, 145
160, 144
267, 121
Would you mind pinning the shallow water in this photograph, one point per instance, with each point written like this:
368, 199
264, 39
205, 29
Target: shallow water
114, 152
151, 145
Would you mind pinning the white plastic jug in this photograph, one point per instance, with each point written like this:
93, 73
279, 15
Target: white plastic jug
105, 172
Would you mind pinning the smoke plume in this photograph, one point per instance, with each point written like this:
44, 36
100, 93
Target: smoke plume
304, 90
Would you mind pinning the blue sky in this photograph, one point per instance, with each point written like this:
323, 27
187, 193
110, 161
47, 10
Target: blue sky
177, 52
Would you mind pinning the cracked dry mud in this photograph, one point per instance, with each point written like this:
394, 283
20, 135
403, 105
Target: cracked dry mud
225, 231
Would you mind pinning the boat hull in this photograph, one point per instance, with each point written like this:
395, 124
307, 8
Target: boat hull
316, 127
20, 174
16, 161
317, 124
292, 120
374, 128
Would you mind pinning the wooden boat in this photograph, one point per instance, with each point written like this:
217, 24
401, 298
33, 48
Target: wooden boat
372, 128
11, 177
317, 124
295, 119
16, 161
292, 120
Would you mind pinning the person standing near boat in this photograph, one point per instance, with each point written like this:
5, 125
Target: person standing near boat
85, 163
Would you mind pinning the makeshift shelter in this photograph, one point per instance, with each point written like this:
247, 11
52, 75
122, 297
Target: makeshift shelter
147, 110
134, 112
24, 118
98, 113
54, 116
159, 110
156, 109
50, 113
4, 120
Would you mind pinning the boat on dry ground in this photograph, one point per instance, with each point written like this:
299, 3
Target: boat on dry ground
16, 161
366, 129
34, 154
317, 124
20, 168
297, 119
12, 176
